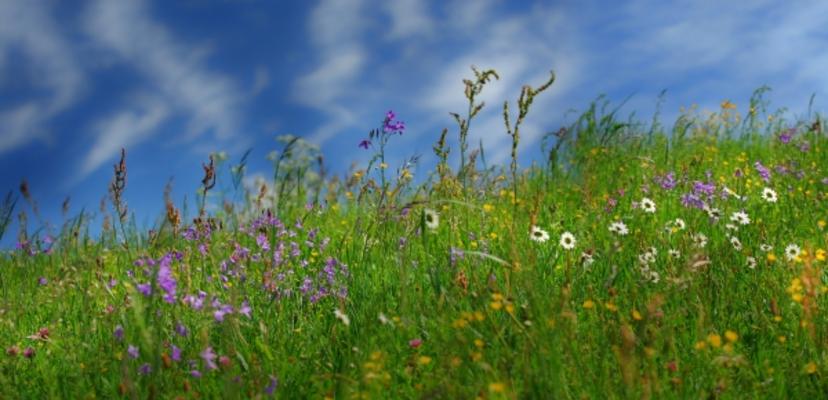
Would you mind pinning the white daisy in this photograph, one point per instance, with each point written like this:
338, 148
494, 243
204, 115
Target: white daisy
769, 195
646, 258
619, 228
432, 219
792, 251
648, 206
700, 240
679, 224
342, 316
751, 262
587, 259
654, 277
713, 213
765, 247
567, 241
539, 235
737, 244
731, 227
674, 253
740, 217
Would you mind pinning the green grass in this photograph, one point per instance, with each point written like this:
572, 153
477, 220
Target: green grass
472, 308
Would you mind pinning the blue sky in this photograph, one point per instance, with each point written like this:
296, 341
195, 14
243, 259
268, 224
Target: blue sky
174, 81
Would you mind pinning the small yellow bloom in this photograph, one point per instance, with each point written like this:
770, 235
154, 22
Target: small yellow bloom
715, 340
637, 315
478, 343
781, 339
810, 368
479, 316
731, 336
488, 207
497, 387
611, 307
701, 344
821, 224
496, 305
589, 304
777, 318
456, 362
771, 257
424, 360
510, 308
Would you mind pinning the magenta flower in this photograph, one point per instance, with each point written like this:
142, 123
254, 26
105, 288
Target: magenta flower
415, 343
29, 352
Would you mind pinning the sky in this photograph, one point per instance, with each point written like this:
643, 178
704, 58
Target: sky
173, 81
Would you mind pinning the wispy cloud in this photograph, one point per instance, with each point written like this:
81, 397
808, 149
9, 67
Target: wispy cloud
178, 77
408, 18
28, 28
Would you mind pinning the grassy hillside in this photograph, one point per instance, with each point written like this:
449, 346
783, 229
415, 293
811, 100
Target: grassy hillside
638, 261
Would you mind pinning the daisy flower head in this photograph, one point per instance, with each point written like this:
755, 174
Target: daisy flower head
736, 243
432, 219
751, 262
769, 195
539, 235
674, 253
740, 217
765, 247
792, 251
567, 241
619, 228
714, 213
587, 259
699, 240
648, 206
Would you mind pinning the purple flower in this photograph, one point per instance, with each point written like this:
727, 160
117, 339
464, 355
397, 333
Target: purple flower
145, 369
221, 312
42, 281
119, 333
271, 387
667, 182
176, 353
29, 352
165, 279
785, 137
133, 351
763, 171
245, 309
261, 240
180, 329
195, 373
391, 126
365, 143
209, 358
145, 289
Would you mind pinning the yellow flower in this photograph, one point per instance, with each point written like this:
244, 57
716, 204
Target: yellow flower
727, 105
589, 304
478, 343
810, 368
731, 336
715, 340
637, 315
701, 344
821, 224
496, 305
424, 360
611, 307
781, 339
488, 207
771, 257
497, 387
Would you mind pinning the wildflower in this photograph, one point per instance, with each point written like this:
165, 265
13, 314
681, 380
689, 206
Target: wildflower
195, 373
740, 217
119, 333
42, 281
699, 240
539, 235
736, 243
209, 358
567, 241
713, 213
180, 329
792, 251
145, 289
432, 220
424, 360
714, 339
587, 259
497, 387
29, 352
133, 351
674, 253
648, 206
145, 369
769, 195
415, 343
751, 262
365, 143
166, 281
785, 137
271, 387
765, 247
763, 171
342, 317
732, 227
176, 353
245, 309
731, 336
619, 228
667, 182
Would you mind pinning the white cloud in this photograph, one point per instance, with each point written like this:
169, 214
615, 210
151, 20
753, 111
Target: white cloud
177, 79
409, 18
29, 28
210, 100
335, 29
125, 128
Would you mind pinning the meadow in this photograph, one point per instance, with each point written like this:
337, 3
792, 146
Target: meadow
638, 260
